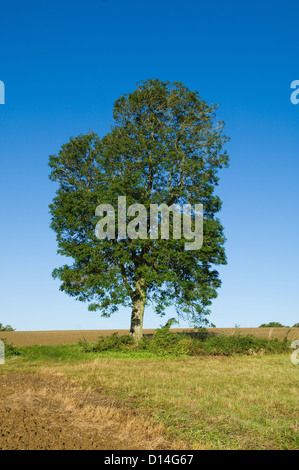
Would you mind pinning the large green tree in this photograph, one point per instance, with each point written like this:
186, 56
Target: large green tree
165, 147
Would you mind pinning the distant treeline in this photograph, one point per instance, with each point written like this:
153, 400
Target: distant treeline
274, 324
6, 328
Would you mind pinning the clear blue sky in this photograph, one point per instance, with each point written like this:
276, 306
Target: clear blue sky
64, 63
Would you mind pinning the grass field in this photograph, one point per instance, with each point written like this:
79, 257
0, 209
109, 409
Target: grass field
209, 402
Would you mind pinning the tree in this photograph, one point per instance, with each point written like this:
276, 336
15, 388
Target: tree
165, 147
273, 324
6, 327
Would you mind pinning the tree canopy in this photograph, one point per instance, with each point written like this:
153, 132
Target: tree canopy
275, 324
6, 327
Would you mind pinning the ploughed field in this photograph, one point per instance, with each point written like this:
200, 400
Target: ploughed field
53, 338
46, 411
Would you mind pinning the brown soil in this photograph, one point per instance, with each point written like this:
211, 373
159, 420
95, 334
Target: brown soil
49, 412
42, 338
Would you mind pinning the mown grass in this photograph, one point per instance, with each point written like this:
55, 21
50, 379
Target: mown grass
235, 401
213, 402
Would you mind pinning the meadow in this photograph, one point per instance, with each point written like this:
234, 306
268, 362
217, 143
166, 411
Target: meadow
212, 400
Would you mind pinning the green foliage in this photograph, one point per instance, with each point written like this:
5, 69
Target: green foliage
166, 146
59, 353
230, 345
109, 343
10, 349
273, 324
6, 328
164, 342
296, 325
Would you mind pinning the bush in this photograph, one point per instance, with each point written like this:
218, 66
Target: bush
199, 342
6, 327
164, 342
10, 349
108, 343
230, 345
273, 324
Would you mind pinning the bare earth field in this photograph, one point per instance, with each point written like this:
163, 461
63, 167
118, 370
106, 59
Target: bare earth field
55, 338
49, 412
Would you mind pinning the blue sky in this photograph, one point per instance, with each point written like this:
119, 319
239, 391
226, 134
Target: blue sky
65, 63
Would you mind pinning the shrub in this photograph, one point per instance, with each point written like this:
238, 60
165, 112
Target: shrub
10, 349
6, 327
165, 342
109, 343
230, 345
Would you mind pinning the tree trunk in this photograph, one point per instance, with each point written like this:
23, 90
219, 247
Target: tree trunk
138, 299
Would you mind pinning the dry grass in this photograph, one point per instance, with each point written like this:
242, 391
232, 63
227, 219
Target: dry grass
219, 403
241, 402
